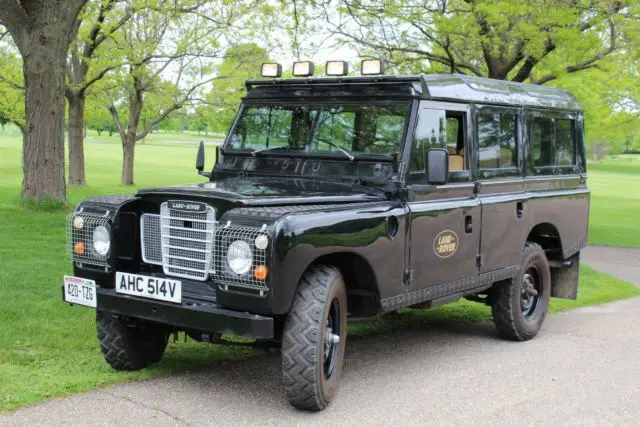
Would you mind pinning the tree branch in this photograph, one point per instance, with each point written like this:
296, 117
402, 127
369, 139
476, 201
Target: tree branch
530, 62
116, 120
10, 83
15, 19
591, 62
176, 105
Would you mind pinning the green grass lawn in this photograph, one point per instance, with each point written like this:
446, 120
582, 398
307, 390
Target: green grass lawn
49, 349
615, 202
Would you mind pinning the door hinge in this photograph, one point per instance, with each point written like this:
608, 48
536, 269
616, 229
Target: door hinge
479, 260
408, 276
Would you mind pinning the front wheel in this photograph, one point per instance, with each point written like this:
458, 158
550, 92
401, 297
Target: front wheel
128, 345
520, 306
314, 337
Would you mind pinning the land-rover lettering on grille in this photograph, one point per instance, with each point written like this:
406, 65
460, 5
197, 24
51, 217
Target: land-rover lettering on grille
335, 198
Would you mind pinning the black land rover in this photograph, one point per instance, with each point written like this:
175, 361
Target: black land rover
338, 198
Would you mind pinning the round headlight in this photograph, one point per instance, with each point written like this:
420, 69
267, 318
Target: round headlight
101, 240
239, 257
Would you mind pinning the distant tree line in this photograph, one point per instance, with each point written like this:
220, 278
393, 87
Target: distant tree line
128, 67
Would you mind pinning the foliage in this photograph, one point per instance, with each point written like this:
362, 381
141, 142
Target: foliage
97, 115
11, 85
522, 41
241, 62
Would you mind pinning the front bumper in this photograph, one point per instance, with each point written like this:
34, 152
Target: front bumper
190, 314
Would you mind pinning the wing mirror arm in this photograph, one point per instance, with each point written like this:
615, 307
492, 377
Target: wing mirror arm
200, 161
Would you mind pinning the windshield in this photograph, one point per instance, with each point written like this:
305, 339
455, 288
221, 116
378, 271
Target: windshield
349, 130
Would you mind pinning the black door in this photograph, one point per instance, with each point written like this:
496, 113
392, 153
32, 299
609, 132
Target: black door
500, 187
445, 219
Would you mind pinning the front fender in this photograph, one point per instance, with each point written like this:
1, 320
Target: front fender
376, 233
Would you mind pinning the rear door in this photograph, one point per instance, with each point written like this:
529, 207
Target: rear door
500, 182
445, 220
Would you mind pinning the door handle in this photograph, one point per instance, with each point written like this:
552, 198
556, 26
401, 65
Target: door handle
519, 209
468, 224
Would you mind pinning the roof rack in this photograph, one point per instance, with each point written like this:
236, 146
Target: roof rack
449, 87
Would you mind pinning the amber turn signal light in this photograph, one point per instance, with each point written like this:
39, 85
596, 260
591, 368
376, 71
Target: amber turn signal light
78, 248
261, 272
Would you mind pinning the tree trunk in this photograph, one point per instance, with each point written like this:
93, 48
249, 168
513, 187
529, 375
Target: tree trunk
43, 150
128, 150
76, 139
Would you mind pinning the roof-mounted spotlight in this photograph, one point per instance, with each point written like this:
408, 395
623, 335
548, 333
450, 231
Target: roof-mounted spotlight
303, 69
369, 67
337, 68
271, 70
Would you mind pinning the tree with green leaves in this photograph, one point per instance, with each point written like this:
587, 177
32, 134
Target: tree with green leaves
43, 32
241, 62
535, 41
168, 49
96, 114
86, 65
11, 84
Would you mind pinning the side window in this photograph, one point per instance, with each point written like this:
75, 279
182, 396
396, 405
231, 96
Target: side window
497, 140
542, 142
553, 145
565, 146
439, 129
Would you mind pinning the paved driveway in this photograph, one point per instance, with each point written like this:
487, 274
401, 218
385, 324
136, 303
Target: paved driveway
620, 262
583, 369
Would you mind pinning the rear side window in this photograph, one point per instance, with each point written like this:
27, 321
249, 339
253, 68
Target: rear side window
553, 144
497, 140
565, 146
542, 131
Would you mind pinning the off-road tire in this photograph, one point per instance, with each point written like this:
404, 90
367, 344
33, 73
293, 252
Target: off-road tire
303, 351
128, 346
506, 302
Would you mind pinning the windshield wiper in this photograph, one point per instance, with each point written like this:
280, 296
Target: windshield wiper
342, 150
265, 149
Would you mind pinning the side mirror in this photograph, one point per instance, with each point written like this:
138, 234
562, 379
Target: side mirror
437, 162
200, 160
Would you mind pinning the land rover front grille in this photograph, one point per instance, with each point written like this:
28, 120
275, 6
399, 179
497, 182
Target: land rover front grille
194, 245
180, 241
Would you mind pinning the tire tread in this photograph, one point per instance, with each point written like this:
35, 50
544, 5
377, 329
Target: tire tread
120, 348
503, 304
300, 339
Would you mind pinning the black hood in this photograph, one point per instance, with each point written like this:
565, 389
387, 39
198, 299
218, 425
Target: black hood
253, 191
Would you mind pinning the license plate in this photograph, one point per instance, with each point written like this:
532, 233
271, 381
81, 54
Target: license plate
159, 288
80, 291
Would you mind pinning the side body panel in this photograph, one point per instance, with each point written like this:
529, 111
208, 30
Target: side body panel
362, 234
515, 202
504, 224
562, 202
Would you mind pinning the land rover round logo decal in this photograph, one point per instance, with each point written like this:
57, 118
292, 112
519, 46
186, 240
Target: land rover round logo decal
445, 244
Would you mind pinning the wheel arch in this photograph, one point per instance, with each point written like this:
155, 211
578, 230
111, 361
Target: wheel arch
548, 237
363, 294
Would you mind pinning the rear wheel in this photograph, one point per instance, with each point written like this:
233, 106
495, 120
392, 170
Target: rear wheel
314, 338
520, 306
130, 345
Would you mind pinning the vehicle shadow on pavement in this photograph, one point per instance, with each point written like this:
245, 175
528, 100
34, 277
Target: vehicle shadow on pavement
258, 380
